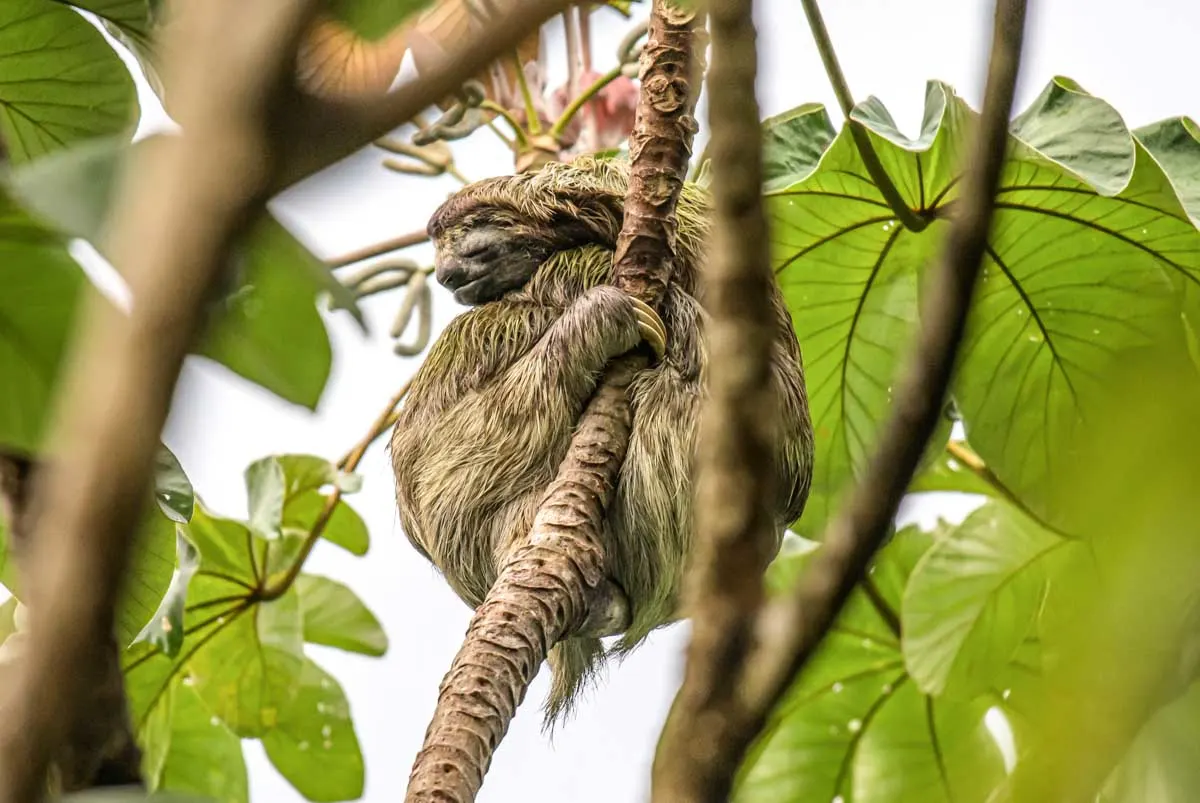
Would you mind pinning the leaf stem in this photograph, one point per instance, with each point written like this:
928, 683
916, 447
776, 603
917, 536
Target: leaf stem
881, 606
495, 108
963, 453
531, 119
275, 590
858, 132
569, 113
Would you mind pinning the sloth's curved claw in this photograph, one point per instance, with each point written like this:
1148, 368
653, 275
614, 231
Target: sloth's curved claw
654, 332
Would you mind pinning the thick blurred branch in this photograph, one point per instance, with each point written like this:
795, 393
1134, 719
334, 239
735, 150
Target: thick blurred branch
737, 685
735, 531
555, 584
178, 212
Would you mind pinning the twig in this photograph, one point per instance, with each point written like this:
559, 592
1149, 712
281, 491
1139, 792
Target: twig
858, 132
319, 131
569, 113
177, 215
555, 584
749, 683
379, 249
348, 463
791, 629
735, 481
531, 118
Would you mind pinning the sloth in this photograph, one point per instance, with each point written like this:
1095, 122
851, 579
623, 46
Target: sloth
490, 413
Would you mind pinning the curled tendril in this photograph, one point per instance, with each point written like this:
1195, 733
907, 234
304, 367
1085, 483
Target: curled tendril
460, 120
389, 275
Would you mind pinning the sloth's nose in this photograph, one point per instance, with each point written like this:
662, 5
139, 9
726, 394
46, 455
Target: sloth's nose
451, 273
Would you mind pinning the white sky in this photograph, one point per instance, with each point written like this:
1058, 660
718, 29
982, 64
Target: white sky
1139, 57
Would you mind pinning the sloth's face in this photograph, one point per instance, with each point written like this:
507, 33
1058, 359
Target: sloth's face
483, 262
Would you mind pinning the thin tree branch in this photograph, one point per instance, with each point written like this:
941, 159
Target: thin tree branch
735, 482
379, 249
792, 628
559, 570
750, 675
178, 213
321, 131
858, 132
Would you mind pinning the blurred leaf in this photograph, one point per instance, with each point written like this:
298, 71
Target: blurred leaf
8, 624
130, 794
946, 473
1163, 766
334, 616
43, 287
265, 491
314, 745
166, 628
973, 599
62, 82
268, 330
855, 727
172, 488
374, 19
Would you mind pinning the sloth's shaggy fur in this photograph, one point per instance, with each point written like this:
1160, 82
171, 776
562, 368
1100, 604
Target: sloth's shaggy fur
490, 412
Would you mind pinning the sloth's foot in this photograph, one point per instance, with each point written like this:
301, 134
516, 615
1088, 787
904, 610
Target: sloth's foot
654, 332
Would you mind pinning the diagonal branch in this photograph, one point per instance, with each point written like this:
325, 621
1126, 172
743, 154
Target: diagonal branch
178, 214
747, 683
555, 584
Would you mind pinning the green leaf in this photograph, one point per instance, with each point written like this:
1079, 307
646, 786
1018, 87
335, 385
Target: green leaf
61, 82
172, 488
855, 727
848, 272
946, 473
793, 143
166, 628
973, 599
242, 654
267, 331
1163, 764
1175, 144
43, 287
284, 493
334, 616
8, 623
149, 575
1091, 256
314, 745
203, 756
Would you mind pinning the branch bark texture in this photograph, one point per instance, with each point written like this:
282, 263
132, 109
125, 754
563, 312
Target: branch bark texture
176, 218
735, 532
555, 584
731, 686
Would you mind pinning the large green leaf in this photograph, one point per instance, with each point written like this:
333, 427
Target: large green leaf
974, 598
314, 745
269, 330
1091, 256
60, 82
334, 616
42, 289
854, 726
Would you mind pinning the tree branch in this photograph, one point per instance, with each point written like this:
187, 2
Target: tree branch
739, 684
177, 215
858, 132
559, 570
735, 531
